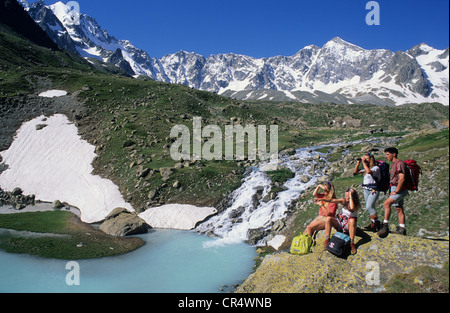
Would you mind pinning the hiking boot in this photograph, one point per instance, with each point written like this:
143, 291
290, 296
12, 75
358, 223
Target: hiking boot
373, 227
384, 231
353, 248
400, 231
377, 226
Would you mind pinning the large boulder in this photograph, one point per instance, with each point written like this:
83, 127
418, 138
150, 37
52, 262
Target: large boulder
376, 262
255, 235
121, 222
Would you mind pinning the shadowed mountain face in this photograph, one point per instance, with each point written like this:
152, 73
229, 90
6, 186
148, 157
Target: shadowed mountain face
13, 15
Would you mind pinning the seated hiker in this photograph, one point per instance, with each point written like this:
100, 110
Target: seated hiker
327, 209
346, 220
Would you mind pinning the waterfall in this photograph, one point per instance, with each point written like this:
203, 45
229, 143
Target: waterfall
252, 208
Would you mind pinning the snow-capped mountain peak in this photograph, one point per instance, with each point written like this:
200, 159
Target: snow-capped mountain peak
339, 72
339, 43
62, 12
435, 64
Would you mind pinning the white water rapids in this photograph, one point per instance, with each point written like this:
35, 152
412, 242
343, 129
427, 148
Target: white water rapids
249, 209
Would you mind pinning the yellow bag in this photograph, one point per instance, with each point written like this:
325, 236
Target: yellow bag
302, 244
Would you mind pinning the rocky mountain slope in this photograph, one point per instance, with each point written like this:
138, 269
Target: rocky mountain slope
338, 72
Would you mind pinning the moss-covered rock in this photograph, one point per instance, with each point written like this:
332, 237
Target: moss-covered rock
321, 271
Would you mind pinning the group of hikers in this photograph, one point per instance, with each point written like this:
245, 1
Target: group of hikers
345, 222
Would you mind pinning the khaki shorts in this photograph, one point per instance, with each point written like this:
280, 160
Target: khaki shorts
320, 218
399, 197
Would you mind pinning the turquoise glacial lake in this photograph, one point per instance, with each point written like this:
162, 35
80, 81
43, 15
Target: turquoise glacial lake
171, 261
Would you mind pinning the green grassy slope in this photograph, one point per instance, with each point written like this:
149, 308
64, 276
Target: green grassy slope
129, 121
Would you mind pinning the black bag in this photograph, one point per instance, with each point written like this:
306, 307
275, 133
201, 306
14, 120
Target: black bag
339, 244
385, 180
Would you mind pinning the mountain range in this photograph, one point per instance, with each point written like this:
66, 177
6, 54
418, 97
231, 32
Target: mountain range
338, 72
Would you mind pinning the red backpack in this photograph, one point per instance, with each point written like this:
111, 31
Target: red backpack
415, 171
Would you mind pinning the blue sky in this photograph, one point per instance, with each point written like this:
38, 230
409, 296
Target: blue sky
266, 28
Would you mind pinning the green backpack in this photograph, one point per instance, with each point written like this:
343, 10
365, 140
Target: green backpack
302, 244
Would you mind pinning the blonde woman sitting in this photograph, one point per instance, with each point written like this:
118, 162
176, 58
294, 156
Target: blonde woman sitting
327, 209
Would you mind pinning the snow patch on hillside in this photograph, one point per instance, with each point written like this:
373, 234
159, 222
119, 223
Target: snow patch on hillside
53, 93
50, 160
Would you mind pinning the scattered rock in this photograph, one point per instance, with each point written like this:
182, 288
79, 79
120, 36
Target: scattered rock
305, 178
128, 143
17, 192
144, 172
58, 205
152, 194
348, 173
121, 222
16, 199
323, 179
237, 212
255, 235
165, 172
278, 226
176, 184
277, 242
41, 126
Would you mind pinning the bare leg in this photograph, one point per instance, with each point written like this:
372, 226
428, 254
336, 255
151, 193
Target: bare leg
387, 208
352, 228
401, 215
384, 231
331, 222
313, 226
328, 224
352, 232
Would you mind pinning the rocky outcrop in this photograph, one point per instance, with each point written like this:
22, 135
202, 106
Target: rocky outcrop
16, 199
121, 222
118, 60
377, 261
